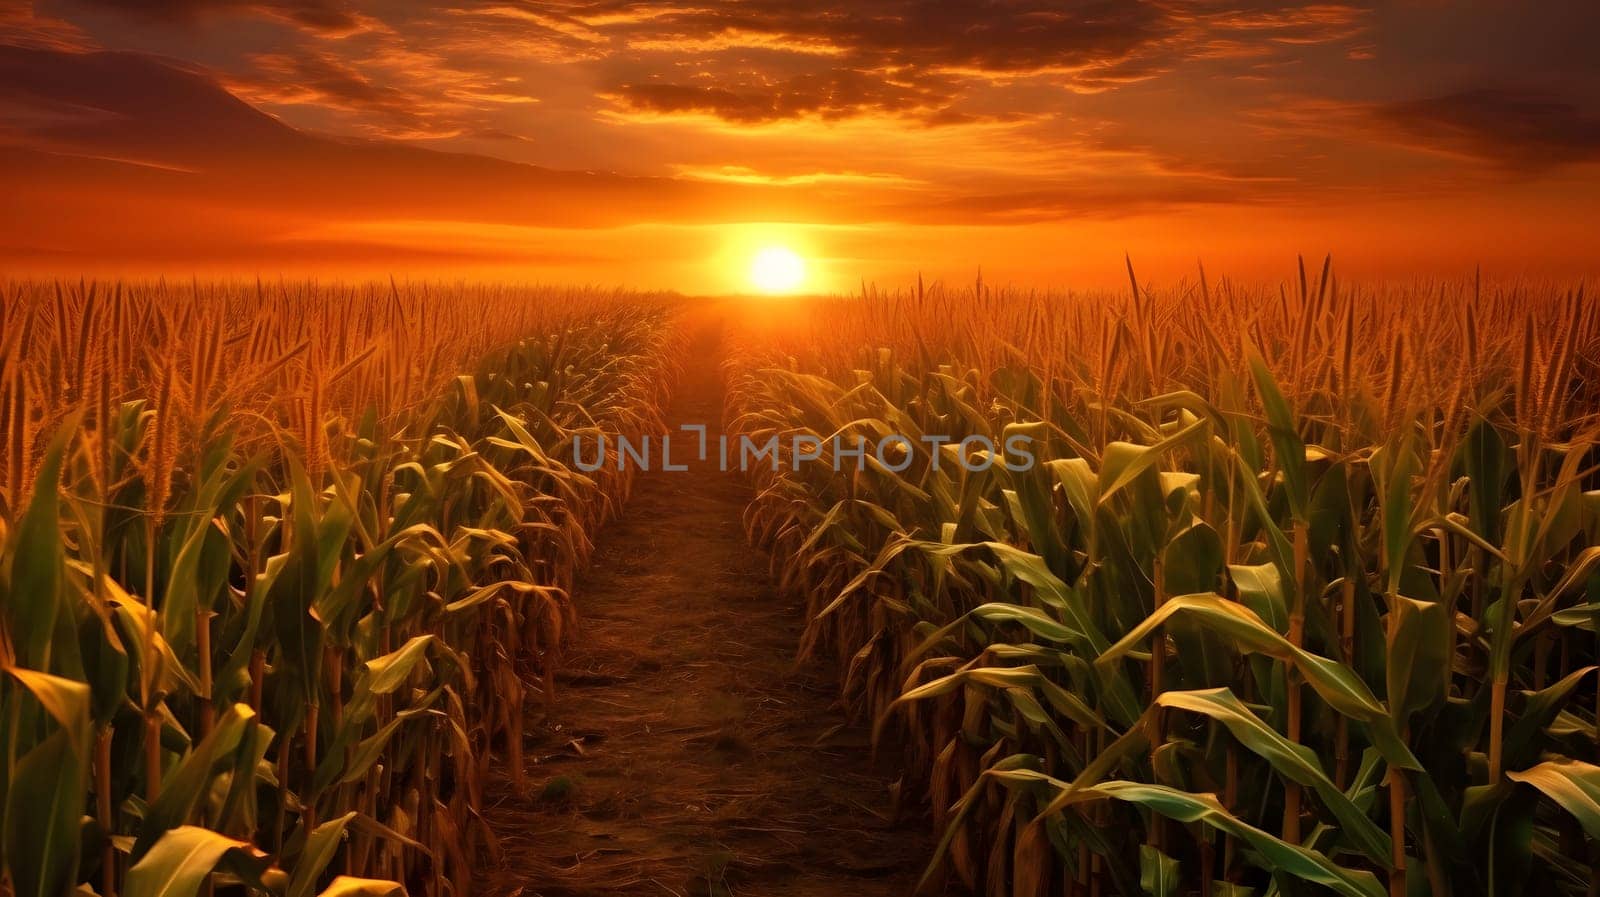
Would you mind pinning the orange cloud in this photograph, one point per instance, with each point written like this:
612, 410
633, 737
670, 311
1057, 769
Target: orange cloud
561, 134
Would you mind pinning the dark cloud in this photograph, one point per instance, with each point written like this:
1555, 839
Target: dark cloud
126, 105
1316, 23
923, 56
883, 35
22, 27
326, 80
331, 16
1518, 129
146, 135
825, 95
1004, 109
748, 61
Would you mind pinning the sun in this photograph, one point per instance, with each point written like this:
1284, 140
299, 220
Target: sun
777, 269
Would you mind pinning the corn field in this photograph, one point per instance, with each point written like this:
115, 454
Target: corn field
282, 566
1300, 596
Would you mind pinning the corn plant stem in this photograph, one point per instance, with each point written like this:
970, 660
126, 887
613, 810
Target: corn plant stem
335, 663
1347, 646
1497, 715
1230, 799
1504, 626
202, 631
519, 775
1479, 558
102, 799
1438, 881
1158, 656
147, 669
1297, 625
152, 755
283, 776
1447, 568
1095, 864
313, 715
1397, 831
258, 676
1082, 872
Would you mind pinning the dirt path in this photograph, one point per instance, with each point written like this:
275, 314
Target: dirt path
687, 753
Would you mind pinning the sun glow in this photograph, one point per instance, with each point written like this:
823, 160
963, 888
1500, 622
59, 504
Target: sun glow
777, 269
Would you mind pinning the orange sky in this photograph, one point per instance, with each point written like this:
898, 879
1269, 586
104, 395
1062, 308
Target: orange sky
661, 143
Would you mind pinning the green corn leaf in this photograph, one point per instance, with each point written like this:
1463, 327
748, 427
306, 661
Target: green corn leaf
35, 591
184, 789
371, 749
66, 700
1278, 856
1288, 449
1295, 762
1261, 589
43, 808
1393, 467
183, 595
1191, 563
1158, 873
1485, 457
294, 593
257, 592
1335, 683
1060, 699
1122, 463
349, 886
320, 847
1573, 784
1525, 737
1278, 546
1033, 619
178, 864
1417, 659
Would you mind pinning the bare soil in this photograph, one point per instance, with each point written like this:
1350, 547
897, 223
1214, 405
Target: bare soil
688, 753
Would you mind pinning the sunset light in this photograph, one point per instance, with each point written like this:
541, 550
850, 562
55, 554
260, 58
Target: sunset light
777, 269
952, 448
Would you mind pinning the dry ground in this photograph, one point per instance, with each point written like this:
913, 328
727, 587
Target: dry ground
687, 752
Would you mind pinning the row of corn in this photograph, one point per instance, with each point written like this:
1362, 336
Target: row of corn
1299, 596
281, 564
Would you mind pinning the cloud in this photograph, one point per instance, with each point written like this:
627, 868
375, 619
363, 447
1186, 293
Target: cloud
137, 138
767, 60
23, 27
322, 16
1525, 130
380, 84
824, 95
127, 106
987, 110
327, 81
1315, 23
988, 35
741, 61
